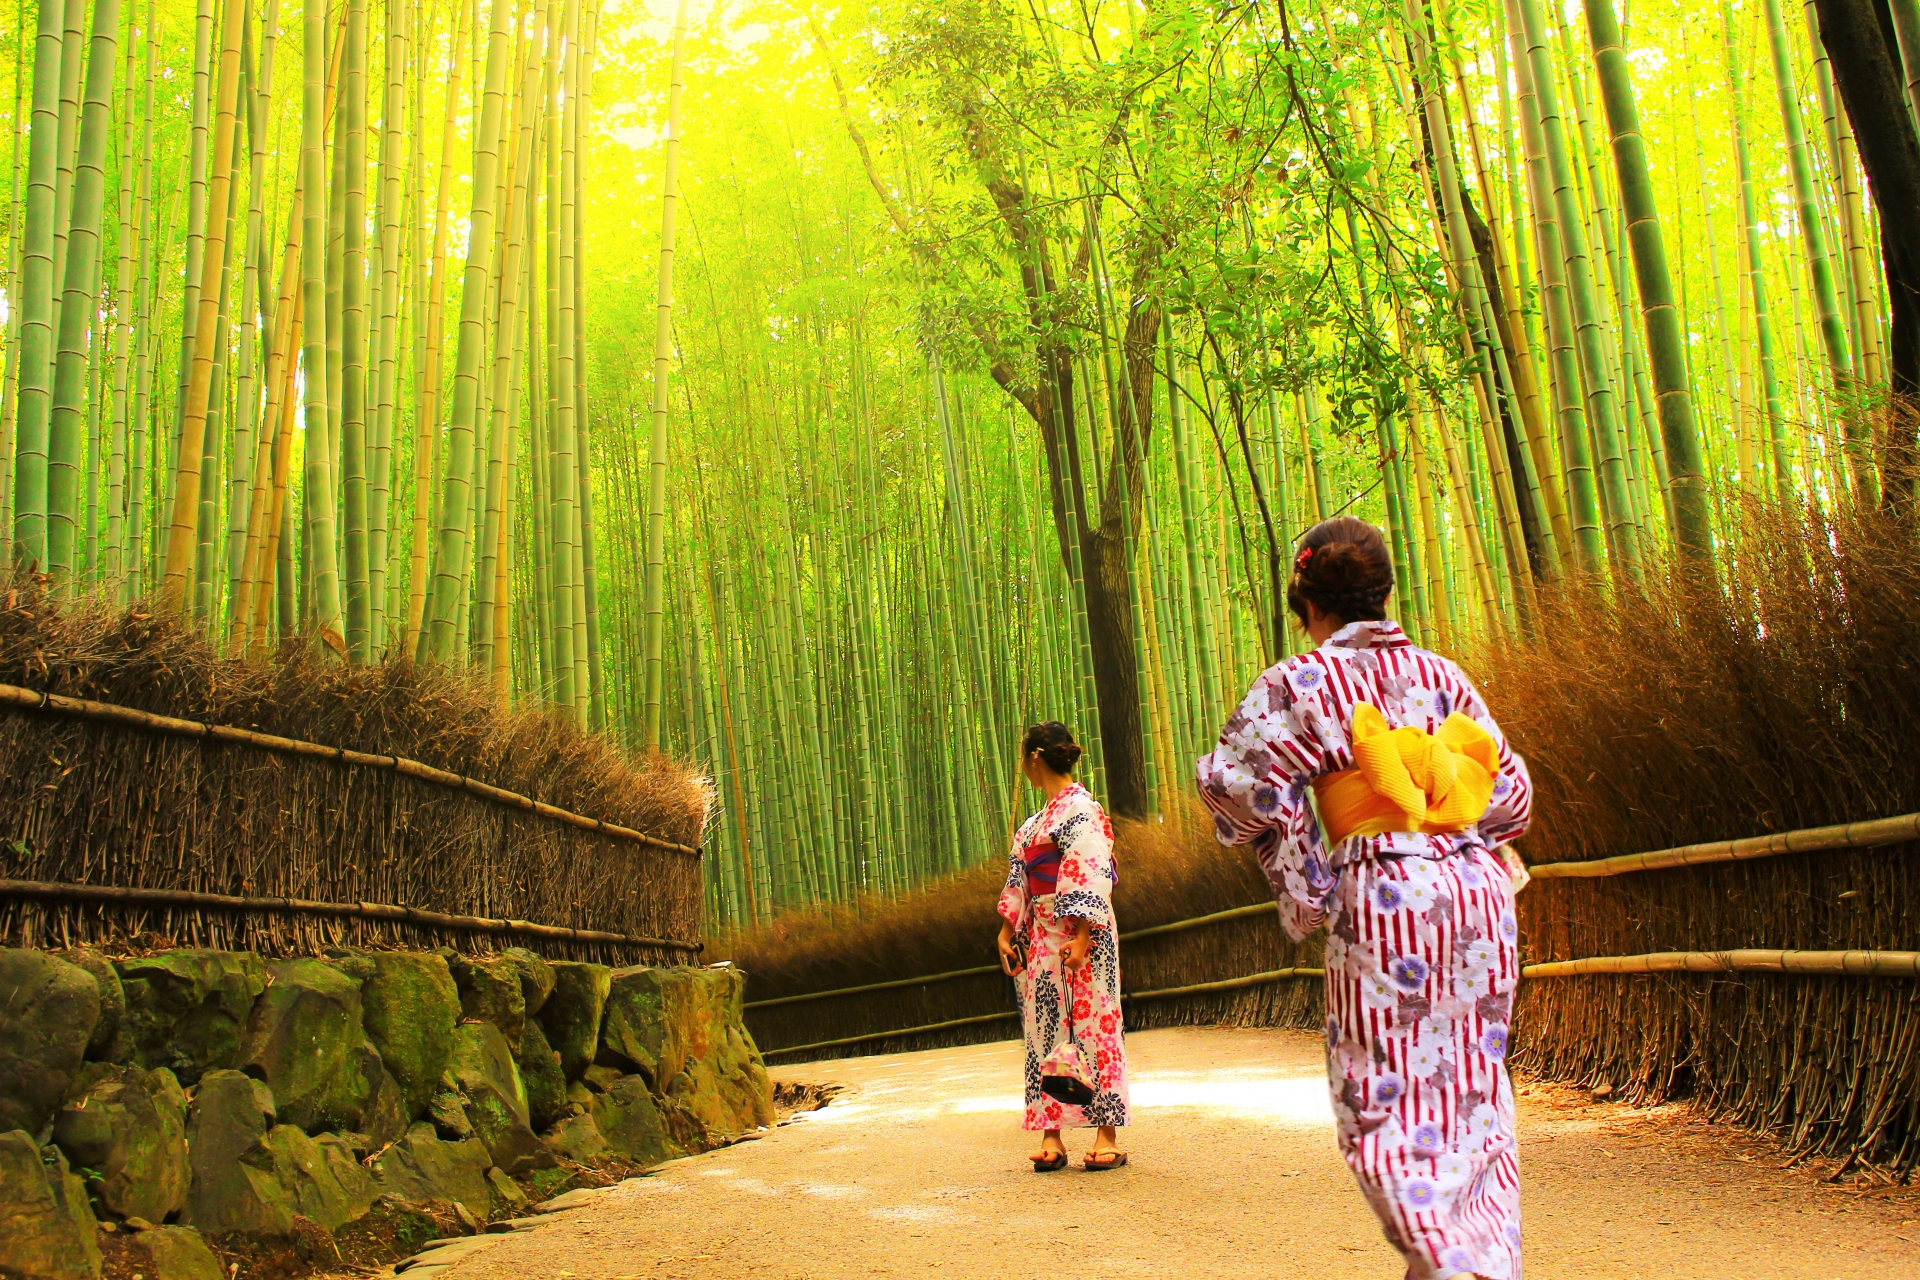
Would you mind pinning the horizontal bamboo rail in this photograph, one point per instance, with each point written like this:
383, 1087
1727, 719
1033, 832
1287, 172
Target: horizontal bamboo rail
873, 1036
876, 986
1228, 984
191, 900
1845, 835
1850, 964
1218, 917
14, 697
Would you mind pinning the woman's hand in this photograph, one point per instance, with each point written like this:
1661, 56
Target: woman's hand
1074, 953
1009, 957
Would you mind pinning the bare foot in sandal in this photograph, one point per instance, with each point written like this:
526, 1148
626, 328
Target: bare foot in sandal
1052, 1154
1105, 1154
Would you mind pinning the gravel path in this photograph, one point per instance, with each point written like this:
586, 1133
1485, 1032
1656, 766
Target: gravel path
919, 1170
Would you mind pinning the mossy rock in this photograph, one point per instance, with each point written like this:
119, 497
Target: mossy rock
536, 977
490, 991
629, 1120
681, 1028
129, 1127
540, 1071
187, 1010
171, 1253
577, 1138
320, 1177
423, 1166
305, 1040
113, 1001
570, 1017
495, 1098
229, 1115
48, 1009
410, 1006
47, 1230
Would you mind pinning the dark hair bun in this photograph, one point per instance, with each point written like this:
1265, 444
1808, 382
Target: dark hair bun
1054, 741
1342, 568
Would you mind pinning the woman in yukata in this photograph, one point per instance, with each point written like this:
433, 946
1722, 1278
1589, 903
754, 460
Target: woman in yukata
1416, 789
1060, 944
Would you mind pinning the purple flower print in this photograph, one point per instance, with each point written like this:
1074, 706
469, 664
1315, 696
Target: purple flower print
1418, 1194
1388, 1088
1333, 1032
1509, 928
1307, 679
1266, 799
1224, 829
1409, 973
1493, 1041
1501, 786
1387, 896
1513, 1234
1459, 1258
1428, 1139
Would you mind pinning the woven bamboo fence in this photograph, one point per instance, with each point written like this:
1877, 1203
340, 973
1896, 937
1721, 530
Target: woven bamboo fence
1598, 1001
216, 815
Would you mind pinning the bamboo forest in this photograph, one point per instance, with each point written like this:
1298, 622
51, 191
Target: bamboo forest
823, 394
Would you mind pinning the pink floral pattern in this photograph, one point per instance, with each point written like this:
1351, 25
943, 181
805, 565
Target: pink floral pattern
1074, 824
1422, 953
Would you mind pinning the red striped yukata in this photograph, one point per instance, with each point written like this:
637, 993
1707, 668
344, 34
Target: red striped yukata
1422, 945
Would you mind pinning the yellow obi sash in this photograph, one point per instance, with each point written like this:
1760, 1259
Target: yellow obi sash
1409, 779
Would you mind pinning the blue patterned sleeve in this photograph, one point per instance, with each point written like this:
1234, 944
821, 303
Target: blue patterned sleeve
1255, 783
1087, 872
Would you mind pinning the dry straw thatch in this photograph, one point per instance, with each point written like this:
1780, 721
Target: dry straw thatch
1787, 700
100, 804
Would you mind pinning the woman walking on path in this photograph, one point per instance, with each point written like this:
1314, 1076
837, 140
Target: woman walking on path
1416, 788
1059, 943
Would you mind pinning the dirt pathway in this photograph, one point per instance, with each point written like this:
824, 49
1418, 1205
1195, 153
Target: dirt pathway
919, 1170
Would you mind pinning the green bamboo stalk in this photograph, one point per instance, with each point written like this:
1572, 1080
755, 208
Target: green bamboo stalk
387, 336
451, 550
36, 304
1826, 301
73, 51
663, 350
353, 336
123, 327
186, 483
67, 433
321, 578
505, 356
1569, 404
1756, 274
1686, 483
16, 221
1589, 326
196, 191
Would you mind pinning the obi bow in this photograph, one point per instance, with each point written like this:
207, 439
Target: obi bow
1408, 779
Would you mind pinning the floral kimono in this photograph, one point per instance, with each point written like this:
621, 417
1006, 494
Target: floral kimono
1421, 954
1062, 869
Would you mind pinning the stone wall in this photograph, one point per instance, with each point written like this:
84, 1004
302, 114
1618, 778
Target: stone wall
212, 1091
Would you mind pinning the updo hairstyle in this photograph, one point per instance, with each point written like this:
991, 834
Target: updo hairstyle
1343, 568
1054, 741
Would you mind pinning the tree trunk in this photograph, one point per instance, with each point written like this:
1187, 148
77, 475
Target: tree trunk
1103, 546
1866, 67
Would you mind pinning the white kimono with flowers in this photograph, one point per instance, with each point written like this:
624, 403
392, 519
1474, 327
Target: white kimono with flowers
1061, 872
1422, 945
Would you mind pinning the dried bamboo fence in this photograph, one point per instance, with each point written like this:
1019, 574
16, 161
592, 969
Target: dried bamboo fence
171, 824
